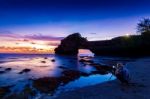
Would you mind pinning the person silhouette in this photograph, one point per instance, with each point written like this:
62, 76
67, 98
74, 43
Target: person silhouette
122, 73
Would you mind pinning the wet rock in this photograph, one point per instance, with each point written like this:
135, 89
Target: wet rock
45, 57
25, 71
84, 74
4, 91
70, 75
43, 61
106, 67
85, 57
95, 72
29, 91
43, 66
62, 67
85, 60
17, 96
95, 64
81, 60
50, 84
2, 72
8, 69
53, 60
82, 56
46, 84
101, 69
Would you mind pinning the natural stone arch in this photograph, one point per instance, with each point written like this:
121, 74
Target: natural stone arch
119, 46
85, 52
71, 44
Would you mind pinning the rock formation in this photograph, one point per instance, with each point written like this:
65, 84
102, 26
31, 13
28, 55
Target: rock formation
134, 45
71, 44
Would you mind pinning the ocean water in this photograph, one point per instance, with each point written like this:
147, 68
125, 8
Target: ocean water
42, 66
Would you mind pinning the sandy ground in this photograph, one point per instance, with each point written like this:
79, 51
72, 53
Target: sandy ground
139, 70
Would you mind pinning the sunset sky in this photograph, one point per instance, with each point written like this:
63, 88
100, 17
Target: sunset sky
37, 26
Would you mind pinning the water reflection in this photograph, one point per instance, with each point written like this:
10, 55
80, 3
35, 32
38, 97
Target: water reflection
70, 62
45, 66
86, 81
40, 65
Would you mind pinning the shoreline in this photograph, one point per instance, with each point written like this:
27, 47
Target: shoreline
113, 89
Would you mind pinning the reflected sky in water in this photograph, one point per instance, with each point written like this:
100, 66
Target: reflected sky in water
43, 66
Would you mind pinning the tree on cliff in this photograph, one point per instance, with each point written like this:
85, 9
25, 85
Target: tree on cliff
143, 26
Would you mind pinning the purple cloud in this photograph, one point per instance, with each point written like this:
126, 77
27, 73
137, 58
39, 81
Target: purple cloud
53, 43
43, 37
30, 37
8, 34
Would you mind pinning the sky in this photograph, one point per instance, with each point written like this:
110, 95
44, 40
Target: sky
37, 26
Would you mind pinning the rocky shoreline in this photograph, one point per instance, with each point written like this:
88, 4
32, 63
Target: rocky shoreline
114, 90
49, 85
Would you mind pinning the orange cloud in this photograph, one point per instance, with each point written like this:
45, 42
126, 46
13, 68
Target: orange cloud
13, 43
27, 50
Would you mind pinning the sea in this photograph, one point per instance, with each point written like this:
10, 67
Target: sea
41, 65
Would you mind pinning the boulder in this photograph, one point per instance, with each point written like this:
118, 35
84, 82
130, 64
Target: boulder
25, 71
46, 84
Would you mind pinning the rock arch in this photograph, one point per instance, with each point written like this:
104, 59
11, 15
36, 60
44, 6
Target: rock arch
118, 46
71, 44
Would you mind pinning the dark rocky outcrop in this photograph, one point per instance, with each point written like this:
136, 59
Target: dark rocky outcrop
2, 72
62, 67
133, 45
46, 84
6, 70
101, 69
53, 60
27, 93
25, 71
4, 90
43, 61
71, 44
50, 84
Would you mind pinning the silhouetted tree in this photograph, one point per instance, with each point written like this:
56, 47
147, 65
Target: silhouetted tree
143, 26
